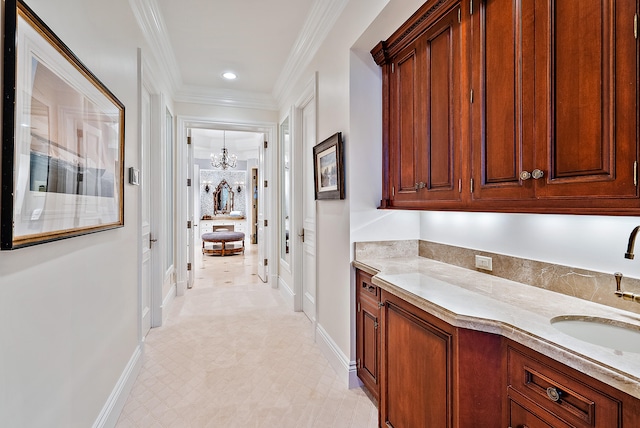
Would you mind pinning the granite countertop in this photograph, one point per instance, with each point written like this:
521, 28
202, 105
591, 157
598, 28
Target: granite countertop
473, 300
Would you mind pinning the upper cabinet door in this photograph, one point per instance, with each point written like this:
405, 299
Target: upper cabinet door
503, 94
424, 119
586, 98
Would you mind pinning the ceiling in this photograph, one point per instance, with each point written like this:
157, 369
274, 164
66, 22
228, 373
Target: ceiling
252, 38
263, 42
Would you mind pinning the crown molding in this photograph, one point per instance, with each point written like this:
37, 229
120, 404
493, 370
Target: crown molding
323, 15
320, 21
152, 25
225, 98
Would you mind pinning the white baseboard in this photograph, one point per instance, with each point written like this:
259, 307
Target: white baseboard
345, 368
286, 292
181, 286
115, 403
273, 280
167, 301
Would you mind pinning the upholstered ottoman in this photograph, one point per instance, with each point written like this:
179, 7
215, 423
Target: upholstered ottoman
224, 242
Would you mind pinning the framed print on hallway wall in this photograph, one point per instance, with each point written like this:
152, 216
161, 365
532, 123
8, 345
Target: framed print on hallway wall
62, 139
328, 168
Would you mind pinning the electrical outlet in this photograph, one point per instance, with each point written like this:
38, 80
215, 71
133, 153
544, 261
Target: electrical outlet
484, 263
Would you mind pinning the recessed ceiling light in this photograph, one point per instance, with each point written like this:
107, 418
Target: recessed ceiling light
229, 75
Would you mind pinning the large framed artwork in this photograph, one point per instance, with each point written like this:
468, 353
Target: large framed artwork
328, 168
62, 139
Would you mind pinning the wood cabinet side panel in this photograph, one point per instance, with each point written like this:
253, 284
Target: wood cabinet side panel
479, 379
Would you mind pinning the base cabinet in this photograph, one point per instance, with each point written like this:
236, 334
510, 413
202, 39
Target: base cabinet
427, 373
431, 373
542, 392
417, 386
521, 417
368, 332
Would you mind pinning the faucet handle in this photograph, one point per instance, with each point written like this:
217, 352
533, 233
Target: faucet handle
618, 276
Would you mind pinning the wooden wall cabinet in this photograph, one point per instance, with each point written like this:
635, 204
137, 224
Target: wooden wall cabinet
541, 113
368, 332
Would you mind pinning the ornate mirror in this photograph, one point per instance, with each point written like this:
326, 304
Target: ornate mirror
223, 198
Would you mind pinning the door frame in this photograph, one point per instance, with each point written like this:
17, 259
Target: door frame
147, 81
309, 95
269, 130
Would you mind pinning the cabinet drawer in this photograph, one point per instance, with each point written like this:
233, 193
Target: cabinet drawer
551, 386
366, 288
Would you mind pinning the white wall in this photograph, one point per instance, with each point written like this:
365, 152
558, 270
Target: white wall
349, 101
69, 309
589, 242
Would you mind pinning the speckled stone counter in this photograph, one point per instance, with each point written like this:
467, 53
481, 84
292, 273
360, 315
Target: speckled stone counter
473, 300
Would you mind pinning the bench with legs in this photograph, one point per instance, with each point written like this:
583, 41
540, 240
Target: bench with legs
223, 243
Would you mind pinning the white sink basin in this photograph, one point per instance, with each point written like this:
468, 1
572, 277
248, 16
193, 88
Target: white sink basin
600, 331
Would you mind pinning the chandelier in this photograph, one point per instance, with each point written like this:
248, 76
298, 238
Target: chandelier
223, 160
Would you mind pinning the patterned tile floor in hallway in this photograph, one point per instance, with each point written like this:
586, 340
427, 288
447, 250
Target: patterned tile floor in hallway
232, 355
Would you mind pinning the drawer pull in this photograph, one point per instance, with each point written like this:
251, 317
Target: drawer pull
372, 288
553, 394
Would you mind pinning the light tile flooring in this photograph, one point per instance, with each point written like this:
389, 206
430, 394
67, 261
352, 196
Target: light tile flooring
232, 355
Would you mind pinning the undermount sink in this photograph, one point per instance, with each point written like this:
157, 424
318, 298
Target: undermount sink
610, 334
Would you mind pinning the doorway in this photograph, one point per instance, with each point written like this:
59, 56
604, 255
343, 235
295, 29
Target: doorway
156, 277
304, 247
227, 132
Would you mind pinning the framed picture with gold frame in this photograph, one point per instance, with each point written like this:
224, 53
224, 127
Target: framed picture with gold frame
62, 139
328, 168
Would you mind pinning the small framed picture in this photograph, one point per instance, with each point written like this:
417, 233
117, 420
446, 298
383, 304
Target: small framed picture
328, 168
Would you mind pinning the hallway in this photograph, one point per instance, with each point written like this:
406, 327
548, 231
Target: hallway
232, 355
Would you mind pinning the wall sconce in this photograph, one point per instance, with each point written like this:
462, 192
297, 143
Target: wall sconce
239, 186
206, 186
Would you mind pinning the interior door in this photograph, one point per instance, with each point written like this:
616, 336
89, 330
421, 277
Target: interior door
308, 234
145, 190
263, 265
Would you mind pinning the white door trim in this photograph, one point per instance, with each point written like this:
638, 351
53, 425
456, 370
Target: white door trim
298, 248
269, 130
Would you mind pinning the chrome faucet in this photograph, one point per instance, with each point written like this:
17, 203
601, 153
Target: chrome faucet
628, 255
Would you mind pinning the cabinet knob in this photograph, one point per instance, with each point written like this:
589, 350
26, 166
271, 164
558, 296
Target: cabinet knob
421, 185
525, 175
535, 174
553, 394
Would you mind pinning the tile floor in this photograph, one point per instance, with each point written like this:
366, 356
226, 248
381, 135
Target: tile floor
232, 355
